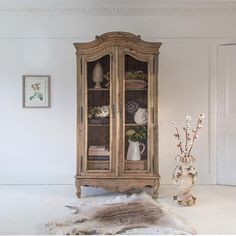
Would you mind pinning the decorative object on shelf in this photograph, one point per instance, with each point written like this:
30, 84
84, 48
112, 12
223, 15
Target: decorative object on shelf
136, 75
185, 174
36, 91
135, 138
132, 107
99, 158
98, 112
107, 77
98, 115
98, 151
104, 112
140, 116
134, 153
135, 80
135, 84
97, 75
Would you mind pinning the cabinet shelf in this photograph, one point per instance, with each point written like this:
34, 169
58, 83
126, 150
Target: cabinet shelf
100, 89
135, 125
99, 161
130, 89
100, 125
135, 162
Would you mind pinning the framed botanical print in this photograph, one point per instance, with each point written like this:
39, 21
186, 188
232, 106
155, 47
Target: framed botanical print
36, 91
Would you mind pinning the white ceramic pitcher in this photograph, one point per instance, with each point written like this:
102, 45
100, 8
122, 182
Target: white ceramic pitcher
134, 153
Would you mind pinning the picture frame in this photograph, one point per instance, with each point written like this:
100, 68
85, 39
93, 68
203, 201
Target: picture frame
36, 91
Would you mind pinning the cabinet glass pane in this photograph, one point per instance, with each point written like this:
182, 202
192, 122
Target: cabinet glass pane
98, 100
136, 114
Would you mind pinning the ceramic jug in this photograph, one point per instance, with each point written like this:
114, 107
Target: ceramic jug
134, 153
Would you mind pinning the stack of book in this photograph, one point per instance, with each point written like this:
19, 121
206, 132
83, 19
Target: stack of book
98, 153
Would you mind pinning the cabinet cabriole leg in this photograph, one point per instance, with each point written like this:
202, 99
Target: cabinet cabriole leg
155, 187
78, 188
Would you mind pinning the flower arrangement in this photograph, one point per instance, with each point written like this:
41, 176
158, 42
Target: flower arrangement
138, 134
185, 144
184, 175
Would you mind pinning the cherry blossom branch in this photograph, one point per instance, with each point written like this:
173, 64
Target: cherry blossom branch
189, 141
177, 135
187, 135
198, 127
186, 140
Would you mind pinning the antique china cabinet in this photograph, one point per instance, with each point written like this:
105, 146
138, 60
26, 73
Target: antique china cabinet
117, 113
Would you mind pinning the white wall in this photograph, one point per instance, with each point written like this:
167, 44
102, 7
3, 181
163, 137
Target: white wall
38, 145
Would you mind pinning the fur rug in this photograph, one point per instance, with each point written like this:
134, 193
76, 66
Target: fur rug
135, 214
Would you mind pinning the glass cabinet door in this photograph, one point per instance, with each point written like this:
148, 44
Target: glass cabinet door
98, 109
135, 115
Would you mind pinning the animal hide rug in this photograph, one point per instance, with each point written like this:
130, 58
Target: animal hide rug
136, 214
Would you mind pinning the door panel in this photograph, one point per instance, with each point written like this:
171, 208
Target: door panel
227, 115
135, 113
98, 115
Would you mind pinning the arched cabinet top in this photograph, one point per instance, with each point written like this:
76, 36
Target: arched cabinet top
123, 39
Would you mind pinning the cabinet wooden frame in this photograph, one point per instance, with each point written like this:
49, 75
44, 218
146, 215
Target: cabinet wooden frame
117, 45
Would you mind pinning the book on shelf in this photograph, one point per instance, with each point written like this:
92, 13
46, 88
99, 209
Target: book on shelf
98, 153
98, 158
102, 148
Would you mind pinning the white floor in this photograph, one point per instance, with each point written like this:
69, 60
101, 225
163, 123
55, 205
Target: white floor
23, 208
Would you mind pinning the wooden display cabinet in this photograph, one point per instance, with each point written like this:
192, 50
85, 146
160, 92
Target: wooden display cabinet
117, 113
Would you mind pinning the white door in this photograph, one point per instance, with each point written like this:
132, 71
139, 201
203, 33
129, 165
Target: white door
227, 115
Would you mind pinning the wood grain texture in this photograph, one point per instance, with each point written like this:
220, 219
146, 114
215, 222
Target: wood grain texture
121, 176
124, 39
129, 185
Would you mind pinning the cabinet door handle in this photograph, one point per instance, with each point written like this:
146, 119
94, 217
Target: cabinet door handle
113, 110
152, 115
81, 114
121, 112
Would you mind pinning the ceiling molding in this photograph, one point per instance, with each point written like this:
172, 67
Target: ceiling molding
121, 9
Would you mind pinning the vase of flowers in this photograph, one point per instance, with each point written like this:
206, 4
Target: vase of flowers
136, 137
185, 174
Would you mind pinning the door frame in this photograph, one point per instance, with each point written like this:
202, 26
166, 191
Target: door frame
220, 156
215, 46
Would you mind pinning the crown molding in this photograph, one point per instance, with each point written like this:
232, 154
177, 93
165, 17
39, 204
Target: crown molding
119, 8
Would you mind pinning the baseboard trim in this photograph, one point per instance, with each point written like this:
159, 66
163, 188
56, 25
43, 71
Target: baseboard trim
55, 179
